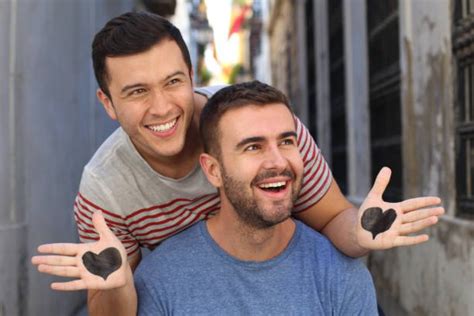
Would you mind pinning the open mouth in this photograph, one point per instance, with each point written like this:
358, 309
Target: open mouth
273, 186
163, 128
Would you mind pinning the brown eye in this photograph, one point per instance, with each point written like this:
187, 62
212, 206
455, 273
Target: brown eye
138, 91
288, 141
253, 147
174, 81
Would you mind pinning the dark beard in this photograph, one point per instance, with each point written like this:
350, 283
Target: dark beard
246, 206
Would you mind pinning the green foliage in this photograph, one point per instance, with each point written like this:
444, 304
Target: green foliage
236, 70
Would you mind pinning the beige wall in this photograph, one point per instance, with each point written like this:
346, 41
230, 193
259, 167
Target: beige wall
436, 278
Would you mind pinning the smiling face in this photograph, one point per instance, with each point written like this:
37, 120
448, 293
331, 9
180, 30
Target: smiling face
152, 98
261, 167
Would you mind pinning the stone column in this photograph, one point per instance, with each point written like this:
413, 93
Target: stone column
426, 95
12, 220
357, 101
321, 44
301, 90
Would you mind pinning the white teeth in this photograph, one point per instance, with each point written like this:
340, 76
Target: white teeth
162, 127
272, 185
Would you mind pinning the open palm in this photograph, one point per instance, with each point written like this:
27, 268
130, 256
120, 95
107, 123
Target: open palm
67, 260
384, 225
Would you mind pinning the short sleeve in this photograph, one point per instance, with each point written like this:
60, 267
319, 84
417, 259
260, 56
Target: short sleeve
317, 176
147, 305
355, 289
85, 206
209, 91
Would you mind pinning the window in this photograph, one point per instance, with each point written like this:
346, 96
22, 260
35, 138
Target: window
255, 37
311, 67
337, 94
384, 92
463, 51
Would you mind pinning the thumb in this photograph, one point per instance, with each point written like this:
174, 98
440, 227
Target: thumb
99, 224
381, 182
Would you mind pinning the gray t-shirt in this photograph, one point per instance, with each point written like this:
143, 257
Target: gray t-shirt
189, 274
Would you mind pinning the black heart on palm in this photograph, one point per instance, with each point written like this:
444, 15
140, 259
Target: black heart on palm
377, 221
103, 264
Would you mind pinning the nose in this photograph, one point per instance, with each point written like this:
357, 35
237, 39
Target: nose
159, 104
275, 159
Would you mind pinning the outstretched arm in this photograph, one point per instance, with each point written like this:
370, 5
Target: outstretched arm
343, 224
336, 218
100, 267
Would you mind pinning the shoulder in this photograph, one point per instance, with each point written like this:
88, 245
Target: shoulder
106, 155
306, 143
316, 244
202, 94
347, 281
326, 252
170, 266
208, 91
352, 287
171, 253
314, 238
108, 169
100, 162
302, 132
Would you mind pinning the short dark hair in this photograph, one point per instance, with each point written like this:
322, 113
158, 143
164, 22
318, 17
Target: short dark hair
132, 33
232, 97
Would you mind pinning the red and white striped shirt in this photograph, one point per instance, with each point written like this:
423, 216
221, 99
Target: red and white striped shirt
142, 207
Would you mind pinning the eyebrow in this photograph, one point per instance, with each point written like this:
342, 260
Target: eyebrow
288, 134
136, 85
258, 139
248, 140
130, 87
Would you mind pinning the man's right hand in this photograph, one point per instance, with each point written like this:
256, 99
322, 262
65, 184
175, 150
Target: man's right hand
66, 260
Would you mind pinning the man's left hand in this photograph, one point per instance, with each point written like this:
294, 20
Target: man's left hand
384, 225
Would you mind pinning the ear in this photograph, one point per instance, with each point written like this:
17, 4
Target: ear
211, 168
107, 103
191, 75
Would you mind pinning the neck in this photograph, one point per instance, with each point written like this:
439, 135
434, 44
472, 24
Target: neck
248, 243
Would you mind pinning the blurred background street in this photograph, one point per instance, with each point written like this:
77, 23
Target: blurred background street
377, 83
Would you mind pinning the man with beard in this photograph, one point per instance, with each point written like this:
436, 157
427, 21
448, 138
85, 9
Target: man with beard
252, 257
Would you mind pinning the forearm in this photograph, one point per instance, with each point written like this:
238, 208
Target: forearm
341, 230
116, 302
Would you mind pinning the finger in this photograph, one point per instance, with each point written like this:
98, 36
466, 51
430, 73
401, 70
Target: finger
420, 202
410, 240
414, 227
54, 260
69, 272
99, 223
69, 286
417, 215
381, 182
60, 249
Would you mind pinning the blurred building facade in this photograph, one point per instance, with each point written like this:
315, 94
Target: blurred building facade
390, 83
